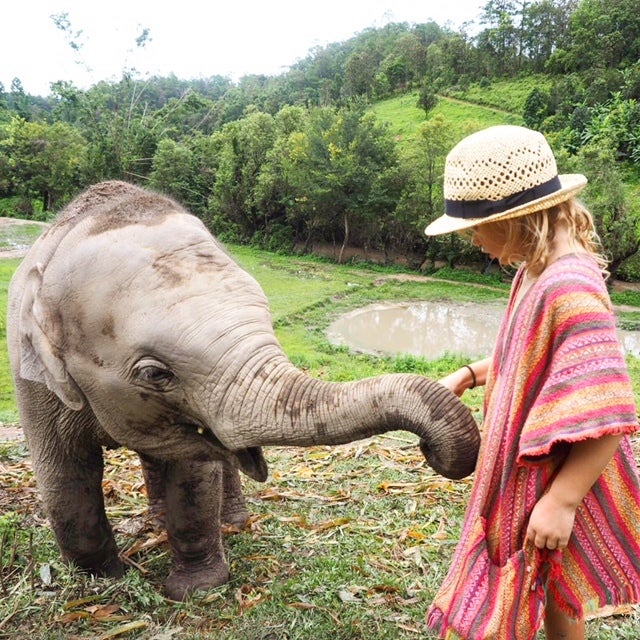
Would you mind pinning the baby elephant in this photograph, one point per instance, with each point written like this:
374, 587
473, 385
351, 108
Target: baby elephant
129, 325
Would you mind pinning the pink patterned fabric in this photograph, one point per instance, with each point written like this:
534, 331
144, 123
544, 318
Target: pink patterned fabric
558, 376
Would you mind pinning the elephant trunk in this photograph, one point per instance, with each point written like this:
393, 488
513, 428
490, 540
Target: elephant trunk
304, 411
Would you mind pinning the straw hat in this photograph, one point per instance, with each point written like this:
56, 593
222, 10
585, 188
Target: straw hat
499, 173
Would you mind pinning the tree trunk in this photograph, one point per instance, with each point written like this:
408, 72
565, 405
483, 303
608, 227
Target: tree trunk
345, 241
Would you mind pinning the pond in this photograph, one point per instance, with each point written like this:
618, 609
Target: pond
431, 329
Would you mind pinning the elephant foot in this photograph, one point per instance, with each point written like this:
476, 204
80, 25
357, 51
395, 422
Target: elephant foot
185, 580
115, 568
110, 567
235, 518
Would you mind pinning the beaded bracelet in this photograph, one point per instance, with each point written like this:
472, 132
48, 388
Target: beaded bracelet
473, 376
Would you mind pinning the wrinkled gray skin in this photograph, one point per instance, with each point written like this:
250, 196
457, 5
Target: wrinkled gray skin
130, 326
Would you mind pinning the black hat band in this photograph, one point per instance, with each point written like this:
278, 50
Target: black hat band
484, 208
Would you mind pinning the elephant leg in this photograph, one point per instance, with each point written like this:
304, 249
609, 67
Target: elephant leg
193, 503
69, 475
155, 473
234, 506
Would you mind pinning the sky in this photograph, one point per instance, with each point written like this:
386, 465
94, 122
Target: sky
190, 38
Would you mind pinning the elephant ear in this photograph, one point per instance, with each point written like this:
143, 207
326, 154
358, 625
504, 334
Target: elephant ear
39, 358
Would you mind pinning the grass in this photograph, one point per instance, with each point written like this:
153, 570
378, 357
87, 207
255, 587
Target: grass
344, 543
503, 95
8, 411
19, 236
404, 117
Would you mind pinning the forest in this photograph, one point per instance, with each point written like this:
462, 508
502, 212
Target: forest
292, 161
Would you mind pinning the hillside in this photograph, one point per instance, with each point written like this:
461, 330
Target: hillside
405, 117
508, 94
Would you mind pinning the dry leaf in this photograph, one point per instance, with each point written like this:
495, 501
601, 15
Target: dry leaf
73, 616
348, 597
331, 524
74, 604
103, 612
126, 628
248, 597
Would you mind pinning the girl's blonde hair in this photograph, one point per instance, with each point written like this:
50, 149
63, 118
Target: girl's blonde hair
529, 238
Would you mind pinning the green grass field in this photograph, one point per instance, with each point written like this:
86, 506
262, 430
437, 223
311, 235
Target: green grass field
404, 117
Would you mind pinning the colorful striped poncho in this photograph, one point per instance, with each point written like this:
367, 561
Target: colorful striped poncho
557, 376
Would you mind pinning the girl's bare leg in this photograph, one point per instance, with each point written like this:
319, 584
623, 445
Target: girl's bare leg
559, 626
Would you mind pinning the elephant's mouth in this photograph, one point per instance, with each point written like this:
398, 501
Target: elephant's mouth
202, 433
249, 460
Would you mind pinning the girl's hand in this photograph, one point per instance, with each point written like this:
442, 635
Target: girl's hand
551, 523
458, 381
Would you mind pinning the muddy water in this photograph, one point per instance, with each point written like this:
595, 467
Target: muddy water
430, 329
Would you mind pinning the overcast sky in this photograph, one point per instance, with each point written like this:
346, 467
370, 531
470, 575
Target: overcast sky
190, 38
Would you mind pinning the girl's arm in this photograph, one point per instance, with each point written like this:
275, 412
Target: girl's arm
551, 520
462, 379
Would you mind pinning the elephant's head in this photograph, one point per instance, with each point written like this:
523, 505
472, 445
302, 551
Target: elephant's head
132, 309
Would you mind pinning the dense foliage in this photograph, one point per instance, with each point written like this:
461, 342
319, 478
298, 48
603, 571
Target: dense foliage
300, 158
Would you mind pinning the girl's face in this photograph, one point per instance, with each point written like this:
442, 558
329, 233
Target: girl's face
485, 237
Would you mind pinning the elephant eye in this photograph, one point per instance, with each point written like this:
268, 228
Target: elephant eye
152, 373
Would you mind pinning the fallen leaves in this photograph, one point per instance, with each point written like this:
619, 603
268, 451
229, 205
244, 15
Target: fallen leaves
98, 613
123, 629
331, 540
276, 493
18, 491
109, 613
248, 596
308, 606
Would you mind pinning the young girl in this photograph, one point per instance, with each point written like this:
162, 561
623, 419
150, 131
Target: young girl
556, 498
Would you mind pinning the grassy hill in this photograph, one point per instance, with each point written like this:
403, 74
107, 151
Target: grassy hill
405, 117
509, 95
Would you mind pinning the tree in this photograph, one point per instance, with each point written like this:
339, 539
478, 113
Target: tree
334, 174
359, 73
244, 145
500, 39
172, 164
427, 99
4, 105
46, 162
68, 102
536, 108
422, 198
405, 64
120, 132
181, 117
186, 170
543, 27
19, 100
615, 124
603, 33
616, 216
457, 59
